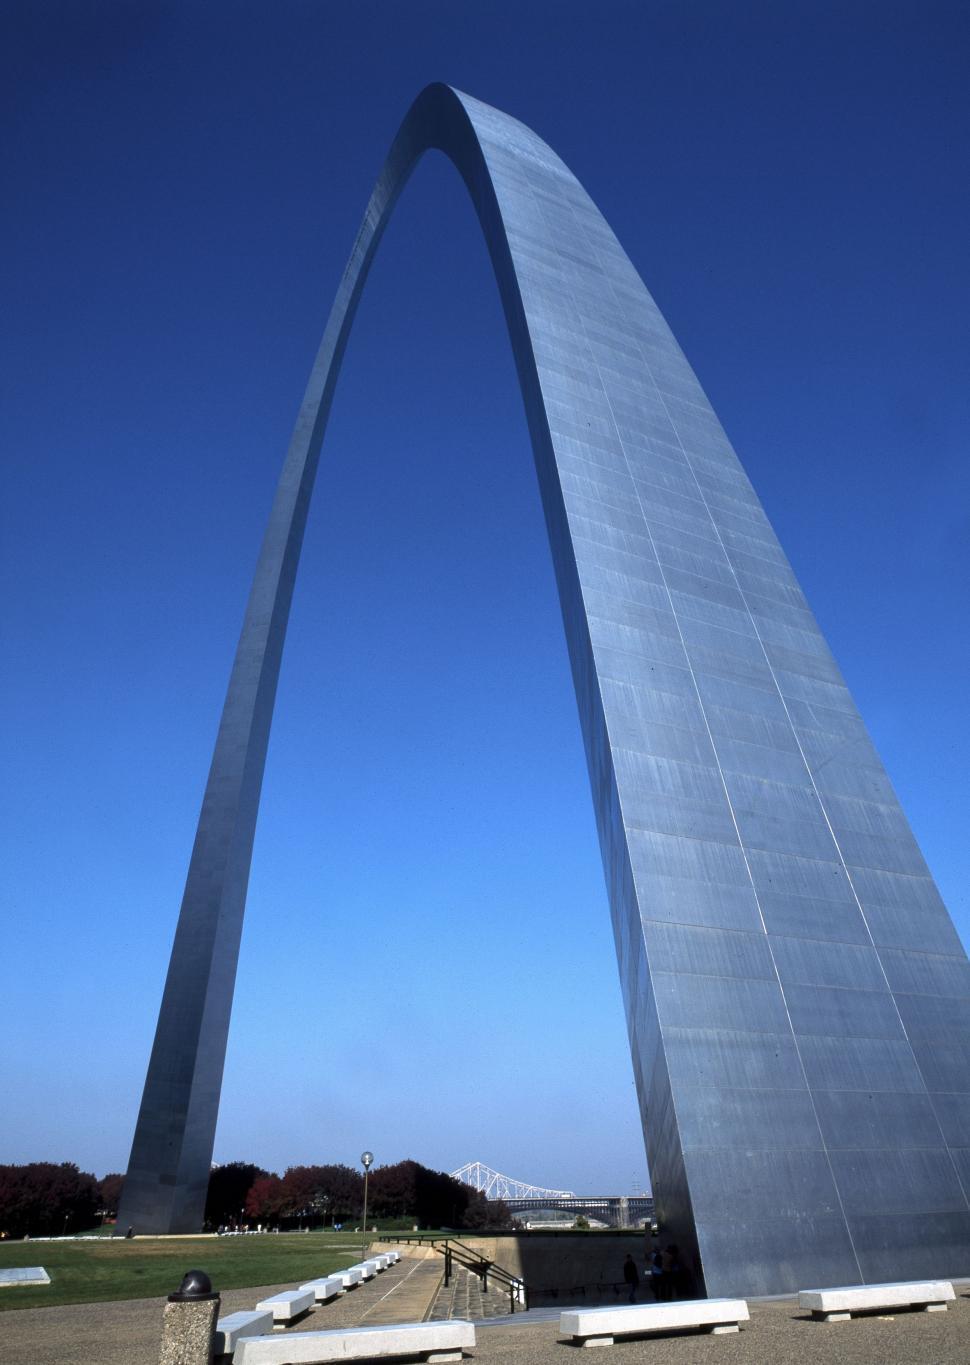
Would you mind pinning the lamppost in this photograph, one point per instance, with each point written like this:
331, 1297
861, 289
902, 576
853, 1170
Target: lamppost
366, 1159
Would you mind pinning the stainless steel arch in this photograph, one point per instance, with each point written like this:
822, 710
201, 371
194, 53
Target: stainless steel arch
777, 931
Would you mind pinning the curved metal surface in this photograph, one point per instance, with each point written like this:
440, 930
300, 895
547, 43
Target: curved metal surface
770, 907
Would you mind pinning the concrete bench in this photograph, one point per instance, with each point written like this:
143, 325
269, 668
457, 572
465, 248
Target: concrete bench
292, 1303
366, 1270
599, 1326
433, 1341
327, 1287
351, 1276
837, 1305
230, 1329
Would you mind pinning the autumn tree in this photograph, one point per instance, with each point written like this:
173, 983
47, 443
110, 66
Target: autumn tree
329, 1191
408, 1189
228, 1187
393, 1190
301, 1187
476, 1214
486, 1213
266, 1199
44, 1199
441, 1200
109, 1190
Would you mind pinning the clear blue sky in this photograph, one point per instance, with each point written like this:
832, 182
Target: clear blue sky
427, 966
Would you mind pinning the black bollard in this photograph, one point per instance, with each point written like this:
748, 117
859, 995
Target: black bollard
189, 1322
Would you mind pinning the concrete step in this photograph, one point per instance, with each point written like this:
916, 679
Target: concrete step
463, 1298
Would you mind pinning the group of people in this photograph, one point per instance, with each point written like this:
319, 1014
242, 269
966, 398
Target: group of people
666, 1274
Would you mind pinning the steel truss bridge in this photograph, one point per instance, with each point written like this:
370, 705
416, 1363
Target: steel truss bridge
618, 1211
494, 1185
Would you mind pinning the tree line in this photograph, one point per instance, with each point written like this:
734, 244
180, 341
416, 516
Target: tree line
404, 1192
43, 1199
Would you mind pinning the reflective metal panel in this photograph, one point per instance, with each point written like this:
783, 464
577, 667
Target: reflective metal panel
776, 1183
916, 1180
835, 1011
755, 1254
886, 1250
746, 1120
953, 1112
817, 962
856, 1119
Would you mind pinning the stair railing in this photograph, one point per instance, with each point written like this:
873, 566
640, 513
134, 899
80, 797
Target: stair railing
470, 1259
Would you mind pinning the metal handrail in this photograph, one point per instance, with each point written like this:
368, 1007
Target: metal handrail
479, 1265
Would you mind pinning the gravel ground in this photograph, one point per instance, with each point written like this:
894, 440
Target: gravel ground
778, 1334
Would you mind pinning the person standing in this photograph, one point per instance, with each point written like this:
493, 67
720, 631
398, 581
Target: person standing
657, 1280
673, 1272
631, 1276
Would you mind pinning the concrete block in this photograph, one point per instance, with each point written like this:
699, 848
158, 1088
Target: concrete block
435, 1341
599, 1326
327, 1287
838, 1304
235, 1325
287, 1305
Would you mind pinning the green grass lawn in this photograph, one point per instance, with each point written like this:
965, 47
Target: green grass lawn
95, 1271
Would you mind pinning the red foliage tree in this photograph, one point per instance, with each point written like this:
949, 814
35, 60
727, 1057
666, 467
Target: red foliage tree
109, 1189
408, 1189
328, 1191
228, 1186
393, 1190
302, 1189
44, 1199
266, 1199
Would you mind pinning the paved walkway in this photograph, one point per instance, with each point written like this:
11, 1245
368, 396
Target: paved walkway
408, 1295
